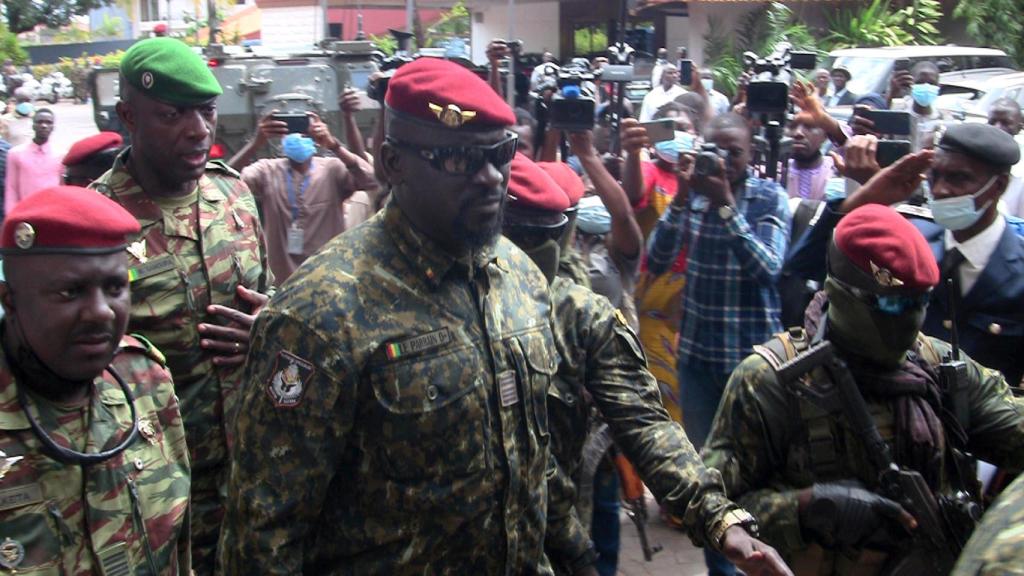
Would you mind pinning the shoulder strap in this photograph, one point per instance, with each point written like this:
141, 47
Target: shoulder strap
139, 343
221, 167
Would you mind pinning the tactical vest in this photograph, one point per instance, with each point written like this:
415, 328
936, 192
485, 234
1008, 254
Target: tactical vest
825, 444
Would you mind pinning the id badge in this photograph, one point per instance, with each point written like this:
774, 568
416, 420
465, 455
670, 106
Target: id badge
295, 241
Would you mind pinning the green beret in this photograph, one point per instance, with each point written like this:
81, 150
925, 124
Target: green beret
168, 70
982, 142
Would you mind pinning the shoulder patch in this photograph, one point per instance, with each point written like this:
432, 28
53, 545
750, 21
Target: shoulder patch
221, 167
287, 382
140, 343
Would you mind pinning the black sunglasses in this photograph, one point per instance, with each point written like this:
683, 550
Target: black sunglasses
892, 305
527, 236
463, 160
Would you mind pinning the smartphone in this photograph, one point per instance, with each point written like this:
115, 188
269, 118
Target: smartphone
686, 72
887, 121
889, 151
901, 64
298, 122
660, 130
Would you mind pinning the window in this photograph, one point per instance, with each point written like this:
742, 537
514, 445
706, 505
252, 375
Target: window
149, 10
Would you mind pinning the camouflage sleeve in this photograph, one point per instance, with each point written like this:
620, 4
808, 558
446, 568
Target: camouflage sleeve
997, 546
627, 395
296, 410
747, 444
566, 540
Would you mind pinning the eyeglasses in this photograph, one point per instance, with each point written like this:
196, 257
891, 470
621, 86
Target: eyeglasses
463, 160
889, 304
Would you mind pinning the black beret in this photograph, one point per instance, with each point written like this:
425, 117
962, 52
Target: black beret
982, 142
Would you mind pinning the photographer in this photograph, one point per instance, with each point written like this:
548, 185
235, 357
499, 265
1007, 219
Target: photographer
735, 229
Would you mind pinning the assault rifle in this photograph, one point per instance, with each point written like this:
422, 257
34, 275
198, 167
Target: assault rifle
937, 541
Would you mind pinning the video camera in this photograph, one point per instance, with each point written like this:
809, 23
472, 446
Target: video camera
573, 105
768, 90
706, 163
378, 85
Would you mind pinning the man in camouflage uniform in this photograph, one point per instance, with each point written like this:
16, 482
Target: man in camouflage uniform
997, 546
788, 450
94, 473
601, 360
393, 420
199, 266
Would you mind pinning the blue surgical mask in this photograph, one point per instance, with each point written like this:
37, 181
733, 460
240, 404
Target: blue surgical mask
667, 150
924, 94
958, 212
685, 142
298, 148
709, 84
592, 217
24, 108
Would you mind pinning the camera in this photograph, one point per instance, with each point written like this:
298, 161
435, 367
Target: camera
378, 85
706, 163
573, 105
768, 91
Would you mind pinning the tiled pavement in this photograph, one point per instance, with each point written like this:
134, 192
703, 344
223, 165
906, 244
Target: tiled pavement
678, 556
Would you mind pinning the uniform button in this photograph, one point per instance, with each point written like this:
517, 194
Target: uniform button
995, 328
947, 324
432, 392
570, 399
139, 465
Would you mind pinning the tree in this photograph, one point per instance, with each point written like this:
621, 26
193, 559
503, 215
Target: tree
880, 24
995, 23
25, 15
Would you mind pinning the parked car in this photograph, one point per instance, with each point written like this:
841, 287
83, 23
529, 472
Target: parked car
970, 98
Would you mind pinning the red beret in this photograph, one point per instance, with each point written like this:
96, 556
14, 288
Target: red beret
888, 254
566, 178
160, 28
446, 94
66, 220
530, 188
86, 147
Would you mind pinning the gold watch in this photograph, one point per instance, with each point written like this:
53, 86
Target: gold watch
737, 516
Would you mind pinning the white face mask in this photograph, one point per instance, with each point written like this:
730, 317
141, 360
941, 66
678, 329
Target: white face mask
958, 212
709, 84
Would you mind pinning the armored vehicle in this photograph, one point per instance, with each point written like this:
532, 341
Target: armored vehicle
257, 80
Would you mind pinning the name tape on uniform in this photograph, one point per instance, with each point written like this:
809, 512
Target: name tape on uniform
416, 344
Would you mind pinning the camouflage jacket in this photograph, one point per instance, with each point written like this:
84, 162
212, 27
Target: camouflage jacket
177, 271
124, 516
997, 546
572, 266
762, 440
393, 419
601, 359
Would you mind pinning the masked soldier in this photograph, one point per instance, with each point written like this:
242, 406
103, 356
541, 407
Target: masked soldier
94, 472
809, 450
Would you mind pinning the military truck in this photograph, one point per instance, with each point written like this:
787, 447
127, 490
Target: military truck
257, 80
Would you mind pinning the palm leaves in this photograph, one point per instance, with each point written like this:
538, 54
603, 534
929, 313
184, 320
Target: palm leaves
878, 24
995, 23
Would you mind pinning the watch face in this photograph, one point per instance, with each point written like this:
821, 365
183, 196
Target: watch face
725, 212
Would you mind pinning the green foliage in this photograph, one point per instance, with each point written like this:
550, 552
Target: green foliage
721, 55
25, 15
995, 23
10, 48
386, 43
453, 24
589, 39
69, 36
112, 27
879, 24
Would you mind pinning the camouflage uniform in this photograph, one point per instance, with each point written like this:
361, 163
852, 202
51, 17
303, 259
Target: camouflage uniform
126, 515
572, 266
997, 546
602, 364
175, 275
769, 445
394, 417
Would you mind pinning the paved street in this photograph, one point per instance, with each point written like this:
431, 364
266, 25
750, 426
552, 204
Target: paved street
678, 556
72, 122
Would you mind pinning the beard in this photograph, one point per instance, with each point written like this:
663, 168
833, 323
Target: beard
476, 238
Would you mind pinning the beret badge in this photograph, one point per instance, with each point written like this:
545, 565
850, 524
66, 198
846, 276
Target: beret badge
147, 80
24, 235
451, 115
884, 277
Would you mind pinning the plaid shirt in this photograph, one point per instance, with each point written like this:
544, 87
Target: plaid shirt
731, 301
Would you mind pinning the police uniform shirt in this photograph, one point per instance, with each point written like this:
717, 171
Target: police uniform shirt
977, 252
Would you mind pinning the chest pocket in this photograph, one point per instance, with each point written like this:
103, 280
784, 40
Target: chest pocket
244, 259
33, 532
158, 288
431, 417
536, 364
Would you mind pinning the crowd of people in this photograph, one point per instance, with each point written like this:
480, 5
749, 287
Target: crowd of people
442, 348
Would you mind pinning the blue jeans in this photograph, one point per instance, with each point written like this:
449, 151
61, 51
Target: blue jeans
604, 526
701, 391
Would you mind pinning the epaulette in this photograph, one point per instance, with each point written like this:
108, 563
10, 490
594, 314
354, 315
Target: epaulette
915, 211
139, 343
222, 167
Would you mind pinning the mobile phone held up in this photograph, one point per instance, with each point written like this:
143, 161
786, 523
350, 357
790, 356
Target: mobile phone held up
660, 130
298, 122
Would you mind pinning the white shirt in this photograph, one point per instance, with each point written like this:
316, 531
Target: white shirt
657, 98
977, 252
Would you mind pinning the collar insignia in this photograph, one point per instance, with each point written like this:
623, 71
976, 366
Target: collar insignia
6, 462
138, 250
451, 115
884, 277
12, 553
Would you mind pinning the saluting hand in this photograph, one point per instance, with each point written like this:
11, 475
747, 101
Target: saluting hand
230, 343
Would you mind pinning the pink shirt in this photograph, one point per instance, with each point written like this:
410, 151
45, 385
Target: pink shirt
30, 168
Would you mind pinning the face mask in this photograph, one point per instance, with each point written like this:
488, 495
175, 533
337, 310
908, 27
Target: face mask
298, 148
924, 94
709, 84
593, 218
667, 151
685, 142
546, 258
24, 108
958, 213
862, 329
